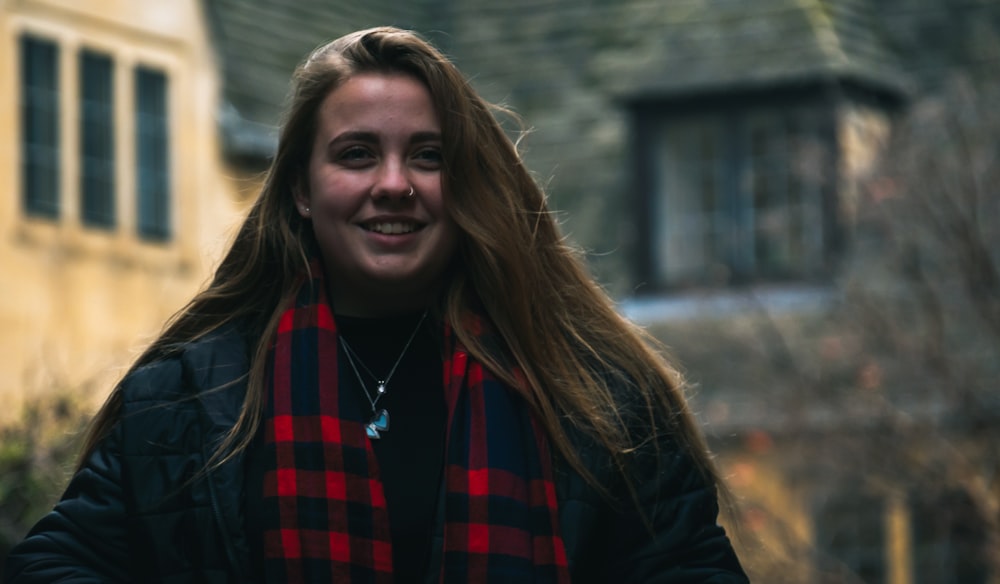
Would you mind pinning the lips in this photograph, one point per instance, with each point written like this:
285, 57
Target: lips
391, 228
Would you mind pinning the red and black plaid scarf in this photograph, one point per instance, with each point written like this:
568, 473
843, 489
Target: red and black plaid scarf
325, 516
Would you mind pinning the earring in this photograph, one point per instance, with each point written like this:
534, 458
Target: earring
411, 193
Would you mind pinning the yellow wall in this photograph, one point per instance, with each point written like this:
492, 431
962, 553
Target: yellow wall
776, 535
77, 304
775, 532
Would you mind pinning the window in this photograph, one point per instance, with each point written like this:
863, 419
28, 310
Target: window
97, 155
851, 538
40, 127
950, 538
94, 181
152, 172
737, 196
691, 225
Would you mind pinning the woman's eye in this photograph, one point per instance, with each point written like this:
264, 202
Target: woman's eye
355, 153
429, 157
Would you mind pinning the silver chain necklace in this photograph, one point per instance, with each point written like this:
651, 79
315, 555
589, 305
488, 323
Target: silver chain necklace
379, 421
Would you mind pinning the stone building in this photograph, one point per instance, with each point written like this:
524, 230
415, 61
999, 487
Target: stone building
710, 156
112, 200
133, 136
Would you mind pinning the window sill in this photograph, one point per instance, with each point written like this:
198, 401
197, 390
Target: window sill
122, 250
719, 304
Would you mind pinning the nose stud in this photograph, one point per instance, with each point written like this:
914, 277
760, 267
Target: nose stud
378, 192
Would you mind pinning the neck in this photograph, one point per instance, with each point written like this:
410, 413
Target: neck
384, 304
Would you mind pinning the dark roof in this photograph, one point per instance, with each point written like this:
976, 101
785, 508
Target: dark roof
642, 48
726, 44
260, 42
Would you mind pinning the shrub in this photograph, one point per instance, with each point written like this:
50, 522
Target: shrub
37, 453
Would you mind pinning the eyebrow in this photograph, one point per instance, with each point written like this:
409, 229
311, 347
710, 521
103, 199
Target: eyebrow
372, 138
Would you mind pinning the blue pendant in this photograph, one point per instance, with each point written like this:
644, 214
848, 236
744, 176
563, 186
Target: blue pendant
378, 423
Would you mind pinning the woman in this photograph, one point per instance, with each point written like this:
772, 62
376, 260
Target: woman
399, 373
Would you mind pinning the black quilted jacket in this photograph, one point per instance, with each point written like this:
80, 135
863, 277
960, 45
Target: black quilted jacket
142, 509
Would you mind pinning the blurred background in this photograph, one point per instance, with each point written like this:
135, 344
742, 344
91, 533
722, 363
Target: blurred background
801, 198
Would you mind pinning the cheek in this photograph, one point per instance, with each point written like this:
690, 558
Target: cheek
436, 204
325, 181
335, 196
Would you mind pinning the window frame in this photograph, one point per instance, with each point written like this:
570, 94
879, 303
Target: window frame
845, 521
649, 117
98, 161
946, 544
41, 127
152, 153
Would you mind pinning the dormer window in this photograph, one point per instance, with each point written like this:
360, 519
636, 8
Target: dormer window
735, 194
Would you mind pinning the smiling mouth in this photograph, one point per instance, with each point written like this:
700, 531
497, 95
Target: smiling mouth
395, 228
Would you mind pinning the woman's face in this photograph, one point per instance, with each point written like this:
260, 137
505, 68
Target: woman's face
374, 195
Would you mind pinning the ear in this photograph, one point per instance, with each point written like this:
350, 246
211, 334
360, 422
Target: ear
302, 204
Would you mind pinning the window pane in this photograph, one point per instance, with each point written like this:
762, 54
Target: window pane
40, 127
768, 163
687, 215
808, 158
152, 154
850, 537
784, 157
950, 538
97, 185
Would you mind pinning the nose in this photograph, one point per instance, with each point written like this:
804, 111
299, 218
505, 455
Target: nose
392, 182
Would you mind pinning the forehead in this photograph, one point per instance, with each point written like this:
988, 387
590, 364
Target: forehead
364, 95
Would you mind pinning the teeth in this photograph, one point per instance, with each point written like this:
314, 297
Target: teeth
392, 228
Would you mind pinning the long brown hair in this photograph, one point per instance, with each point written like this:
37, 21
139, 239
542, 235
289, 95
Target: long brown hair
583, 365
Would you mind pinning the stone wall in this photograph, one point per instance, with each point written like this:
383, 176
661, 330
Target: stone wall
78, 303
566, 65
